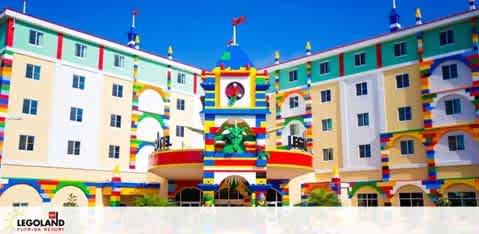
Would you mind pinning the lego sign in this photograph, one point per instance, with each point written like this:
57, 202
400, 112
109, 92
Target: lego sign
162, 143
295, 142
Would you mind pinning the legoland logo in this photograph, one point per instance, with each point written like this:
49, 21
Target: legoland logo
51, 224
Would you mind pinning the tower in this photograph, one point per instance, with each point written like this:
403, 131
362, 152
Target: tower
394, 24
234, 112
133, 36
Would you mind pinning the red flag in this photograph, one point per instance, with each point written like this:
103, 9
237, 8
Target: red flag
240, 20
134, 12
230, 42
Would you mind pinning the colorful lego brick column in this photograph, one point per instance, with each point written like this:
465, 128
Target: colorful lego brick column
308, 117
5, 75
473, 60
138, 115
430, 141
115, 188
384, 141
427, 97
285, 193
336, 182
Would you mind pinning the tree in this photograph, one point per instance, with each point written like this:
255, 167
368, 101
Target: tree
71, 201
151, 200
322, 197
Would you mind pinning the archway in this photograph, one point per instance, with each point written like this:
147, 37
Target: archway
233, 191
188, 197
273, 198
21, 195
462, 195
70, 196
411, 195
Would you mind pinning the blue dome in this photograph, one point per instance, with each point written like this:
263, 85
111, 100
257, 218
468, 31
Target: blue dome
234, 58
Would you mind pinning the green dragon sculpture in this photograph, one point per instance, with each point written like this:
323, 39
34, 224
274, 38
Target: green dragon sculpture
234, 137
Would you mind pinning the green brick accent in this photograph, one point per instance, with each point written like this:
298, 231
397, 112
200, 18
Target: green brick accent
21, 40
92, 52
109, 63
349, 66
284, 82
411, 51
333, 69
462, 39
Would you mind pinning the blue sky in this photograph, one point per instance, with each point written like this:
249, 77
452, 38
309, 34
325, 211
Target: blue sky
199, 29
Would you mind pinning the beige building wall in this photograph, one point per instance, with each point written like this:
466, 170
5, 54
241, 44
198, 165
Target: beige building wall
112, 135
271, 123
21, 194
187, 117
18, 123
396, 98
326, 139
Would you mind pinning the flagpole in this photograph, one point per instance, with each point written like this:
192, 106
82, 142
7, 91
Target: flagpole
24, 6
234, 34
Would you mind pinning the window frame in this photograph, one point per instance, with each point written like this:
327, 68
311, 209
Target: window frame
121, 61
370, 199
73, 147
453, 106
38, 38
180, 131
456, 143
36, 71
115, 121
328, 154
113, 151
295, 77
117, 90
363, 119
404, 112
80, 50
452, 71
400, 49
409, 145
402, 77
365, 151
327, 125
328, 69
362, 59
76, 114
361, 88
180, 104
181, 78
26, 142
327, 95
78, 82
449, 41
293, 102
412, 198
30, 106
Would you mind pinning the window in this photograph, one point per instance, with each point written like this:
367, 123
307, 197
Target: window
407, 147
73, 148
180, 131
362, 89
363, 119
115, 121
117, 90
411, 199
26, 143
453, 106
367, 199
449, 72
400, 49
35, 38
326, 95
181, 78
402, 81
324, 68
293, 75
293, 130
80, 50
328, 154
180, 104
32, 72
456, 142
365, 151
29, 106
119, 61
114, 151
327, 124
446, 37
293, 102
462, 198
360, 59
20, 204
78, 82
404, 113
76, 114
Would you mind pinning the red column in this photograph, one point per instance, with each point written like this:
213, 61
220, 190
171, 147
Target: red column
379, 56
341, 64
100, 58
195, 81
60, 46
9, 36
